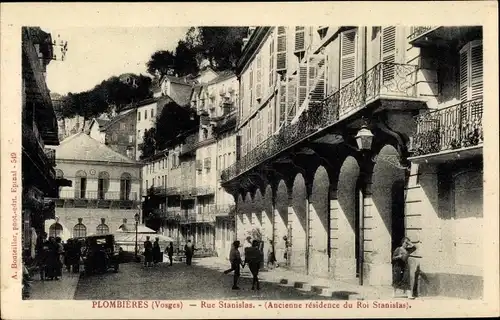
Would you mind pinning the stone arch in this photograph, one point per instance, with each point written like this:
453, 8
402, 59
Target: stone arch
102, 229
319, 223
385, 221
281, 219
79, 230
345, 243
56, 230
297, 223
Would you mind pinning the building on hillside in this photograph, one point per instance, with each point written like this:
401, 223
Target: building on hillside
206, 75
39, 130
120, 133
70, 126
130, 79
354, 137
97, 129
106, 188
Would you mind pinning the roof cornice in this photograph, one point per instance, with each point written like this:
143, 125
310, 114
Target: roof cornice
253, 44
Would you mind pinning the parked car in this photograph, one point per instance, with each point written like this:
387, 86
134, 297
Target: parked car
100, 253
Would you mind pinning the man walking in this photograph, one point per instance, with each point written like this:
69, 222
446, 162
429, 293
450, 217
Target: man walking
235, 260
170, 252
253, 258
189, 250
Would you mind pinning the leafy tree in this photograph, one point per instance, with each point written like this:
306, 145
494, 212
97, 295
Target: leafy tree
185, 59
148, 146
161, 62
172, 122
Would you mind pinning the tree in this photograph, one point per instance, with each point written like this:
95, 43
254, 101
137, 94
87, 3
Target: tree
161, 62
185, 59
148, 147
172, 122
221, 45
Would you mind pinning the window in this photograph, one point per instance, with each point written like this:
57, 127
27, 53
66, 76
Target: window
102, 229
80, 184
125, 186
388, 52
471, 71
130, 138
152, 113
147, 184
271, 63
145, 114
348, 57
130, 152
123, 126
138, 116
102, 185
139, 134
79, 230
55, 230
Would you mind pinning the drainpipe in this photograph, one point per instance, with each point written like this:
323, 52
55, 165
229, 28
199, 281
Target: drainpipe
361, 196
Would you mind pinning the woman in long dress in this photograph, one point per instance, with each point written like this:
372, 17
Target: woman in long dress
148, 253
157, 254
400, 267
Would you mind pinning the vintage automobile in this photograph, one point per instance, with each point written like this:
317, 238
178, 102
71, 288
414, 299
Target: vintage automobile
100, 253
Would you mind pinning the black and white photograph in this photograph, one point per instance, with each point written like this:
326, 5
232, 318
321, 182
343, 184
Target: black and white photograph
238, 167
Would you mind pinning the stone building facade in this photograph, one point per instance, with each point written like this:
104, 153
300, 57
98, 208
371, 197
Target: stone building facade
355, 137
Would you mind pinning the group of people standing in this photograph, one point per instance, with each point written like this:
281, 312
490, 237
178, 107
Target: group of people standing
50, 257
253, 257
154, 255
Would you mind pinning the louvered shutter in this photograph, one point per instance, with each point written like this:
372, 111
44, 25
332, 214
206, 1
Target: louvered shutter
258, 80
281, 50
471, 71
318, 91
300, 35
303, 80
292, 97
348, 57
282, 102
388, 52
251, 89
270, 117
271, 63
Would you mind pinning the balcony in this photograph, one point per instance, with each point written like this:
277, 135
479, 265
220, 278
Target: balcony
385, 81
97, 199
224, 209
158, 191
424, 36
172, 191
188, 192
205, 190
455, 128
173, 213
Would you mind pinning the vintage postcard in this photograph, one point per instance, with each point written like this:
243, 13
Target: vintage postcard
248, 160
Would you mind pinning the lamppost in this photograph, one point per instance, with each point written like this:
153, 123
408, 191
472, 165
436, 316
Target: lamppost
364, 140
178, 219
136, 217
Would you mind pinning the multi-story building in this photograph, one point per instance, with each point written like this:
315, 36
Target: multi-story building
105, 189
120, 133
334, 161
39, 130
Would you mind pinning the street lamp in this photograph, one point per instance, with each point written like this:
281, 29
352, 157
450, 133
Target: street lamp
136, 217
364, 139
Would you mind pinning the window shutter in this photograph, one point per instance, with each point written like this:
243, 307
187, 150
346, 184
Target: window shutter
303, 81
292, 97
271, 63
471, 71
348, 57
317, 92
258, 80
251, 89
282, 103
388, 52
281, 50
270, 118
300, 35
476, 67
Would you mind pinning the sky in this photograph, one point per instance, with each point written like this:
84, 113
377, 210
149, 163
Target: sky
95, 54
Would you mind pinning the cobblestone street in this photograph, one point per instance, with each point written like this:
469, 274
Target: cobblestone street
178, 282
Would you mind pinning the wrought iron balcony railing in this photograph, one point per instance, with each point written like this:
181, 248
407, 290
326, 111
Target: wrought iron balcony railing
417, 31
384, 80
454, 127
205, 190
98, 195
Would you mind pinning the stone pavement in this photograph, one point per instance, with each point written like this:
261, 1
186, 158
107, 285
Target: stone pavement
321, 286
62, 289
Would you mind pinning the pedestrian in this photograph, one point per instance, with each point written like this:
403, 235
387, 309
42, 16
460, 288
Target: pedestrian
286, 255
148, 253
271, 255
246, 244
400, 267
60, 258
170, 252
189, 251
41, 254
253, 258
236, 263
157, 253
68, 251
50, 258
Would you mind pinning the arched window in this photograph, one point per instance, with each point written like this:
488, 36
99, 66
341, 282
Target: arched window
102, 185
80, 184
102, 229
79, 230
125, 186
55, 230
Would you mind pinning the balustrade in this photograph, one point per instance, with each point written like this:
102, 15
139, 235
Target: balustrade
97, 195
389, 80
454, 127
